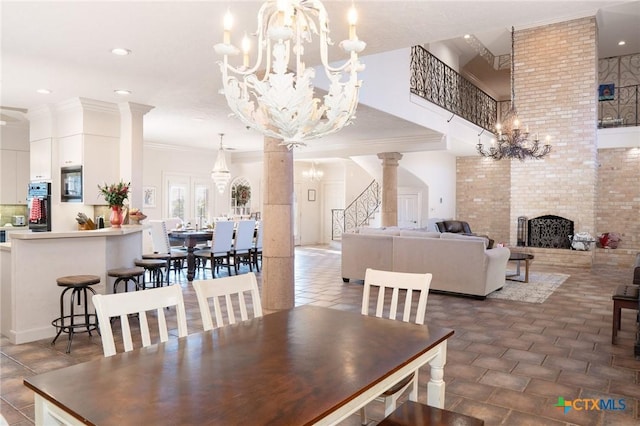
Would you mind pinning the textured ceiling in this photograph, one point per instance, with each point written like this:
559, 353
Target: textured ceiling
65, 47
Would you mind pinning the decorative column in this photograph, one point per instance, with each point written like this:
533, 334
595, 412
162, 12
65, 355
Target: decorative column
390, 187
278, 248
131, 148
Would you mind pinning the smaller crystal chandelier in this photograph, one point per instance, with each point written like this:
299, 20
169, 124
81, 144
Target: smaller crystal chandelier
512, 141
313, 174
275, 95
220, 173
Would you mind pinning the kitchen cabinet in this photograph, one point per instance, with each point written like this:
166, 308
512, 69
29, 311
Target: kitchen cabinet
40, 160
100, 166
14, 176
98, 156
70, 150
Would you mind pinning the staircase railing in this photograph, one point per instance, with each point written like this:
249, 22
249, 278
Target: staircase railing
357, 213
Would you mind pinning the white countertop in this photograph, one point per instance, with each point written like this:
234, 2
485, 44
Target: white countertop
13, 228
105, 232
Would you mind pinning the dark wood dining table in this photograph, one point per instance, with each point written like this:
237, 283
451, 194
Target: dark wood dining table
191, 239
307, 365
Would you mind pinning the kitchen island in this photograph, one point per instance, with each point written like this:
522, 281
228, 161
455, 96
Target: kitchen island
31, 262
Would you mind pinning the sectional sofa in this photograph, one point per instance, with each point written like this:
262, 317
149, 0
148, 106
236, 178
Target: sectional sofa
460, 264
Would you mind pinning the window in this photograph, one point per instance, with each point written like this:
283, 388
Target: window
177, 200
189, 198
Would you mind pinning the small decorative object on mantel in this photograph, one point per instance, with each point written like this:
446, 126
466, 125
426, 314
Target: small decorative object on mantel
115, 195
582, 241
609, 240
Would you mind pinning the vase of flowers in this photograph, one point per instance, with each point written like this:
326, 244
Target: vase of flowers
115, 195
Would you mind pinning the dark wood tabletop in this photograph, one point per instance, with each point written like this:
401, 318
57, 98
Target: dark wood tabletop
520, 256
290, 367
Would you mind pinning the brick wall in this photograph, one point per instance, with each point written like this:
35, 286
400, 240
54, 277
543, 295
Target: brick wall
483, 191
555, 84
618, 204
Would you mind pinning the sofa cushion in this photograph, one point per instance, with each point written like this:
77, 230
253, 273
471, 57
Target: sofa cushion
452, 236
416, 233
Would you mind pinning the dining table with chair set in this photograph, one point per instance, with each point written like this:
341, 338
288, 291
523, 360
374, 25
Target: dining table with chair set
229, 245
305, 365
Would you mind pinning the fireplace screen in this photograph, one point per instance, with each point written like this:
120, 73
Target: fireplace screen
550, 232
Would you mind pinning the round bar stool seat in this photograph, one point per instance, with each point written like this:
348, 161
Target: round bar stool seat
76, 323
155, 268
166, 257
125, 275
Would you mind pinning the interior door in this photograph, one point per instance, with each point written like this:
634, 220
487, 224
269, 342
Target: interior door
332, 198
409, 210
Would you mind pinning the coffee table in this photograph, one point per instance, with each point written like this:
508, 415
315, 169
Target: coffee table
520, 257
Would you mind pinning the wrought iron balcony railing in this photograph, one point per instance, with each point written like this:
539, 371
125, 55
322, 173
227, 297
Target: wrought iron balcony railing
622, 110
435, 81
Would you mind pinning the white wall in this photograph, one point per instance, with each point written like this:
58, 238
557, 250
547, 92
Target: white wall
438, 171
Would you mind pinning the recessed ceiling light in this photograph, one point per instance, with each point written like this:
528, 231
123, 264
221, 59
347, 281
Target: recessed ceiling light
622, 43
44, 91
467, 36
120, 51
123, 92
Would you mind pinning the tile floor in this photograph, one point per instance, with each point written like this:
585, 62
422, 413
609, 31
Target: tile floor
507, 364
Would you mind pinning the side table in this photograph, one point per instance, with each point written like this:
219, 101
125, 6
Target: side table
520, 257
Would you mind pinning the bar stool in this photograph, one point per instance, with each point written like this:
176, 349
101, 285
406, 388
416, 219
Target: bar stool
125, 275
166, 257
79, 285
154, 267
174, 260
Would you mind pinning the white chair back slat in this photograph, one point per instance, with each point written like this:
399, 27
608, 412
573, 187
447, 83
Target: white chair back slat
140, 302
222, 237
144, 330
230, 310
230, 289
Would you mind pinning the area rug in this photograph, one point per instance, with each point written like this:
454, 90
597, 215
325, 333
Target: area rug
540, 286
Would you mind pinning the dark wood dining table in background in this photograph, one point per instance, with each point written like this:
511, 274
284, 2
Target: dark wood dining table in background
307, 365
191, 239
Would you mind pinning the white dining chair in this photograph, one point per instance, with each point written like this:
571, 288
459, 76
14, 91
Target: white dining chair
243, 244
404, 288
175, 257
221, 247
229, 293
138, 302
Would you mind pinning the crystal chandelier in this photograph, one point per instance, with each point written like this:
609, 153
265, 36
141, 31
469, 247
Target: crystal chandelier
313, 174
275, 95
512, 141
220, 173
